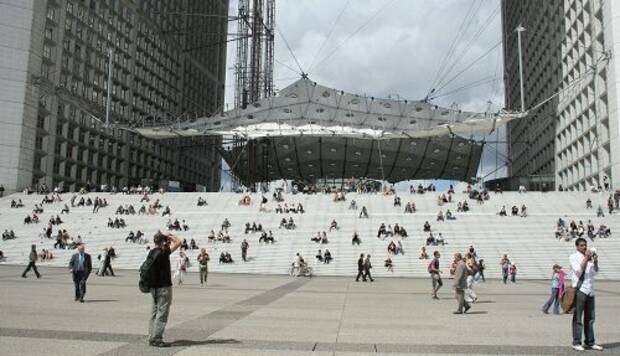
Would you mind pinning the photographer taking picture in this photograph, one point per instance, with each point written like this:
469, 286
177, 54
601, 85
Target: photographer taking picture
584, 264
161, 285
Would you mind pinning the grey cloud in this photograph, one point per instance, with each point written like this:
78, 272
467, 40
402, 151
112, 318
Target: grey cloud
399, 52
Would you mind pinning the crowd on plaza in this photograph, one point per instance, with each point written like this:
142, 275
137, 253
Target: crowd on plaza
466, 268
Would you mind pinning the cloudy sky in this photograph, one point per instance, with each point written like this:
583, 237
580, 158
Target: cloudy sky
397, 48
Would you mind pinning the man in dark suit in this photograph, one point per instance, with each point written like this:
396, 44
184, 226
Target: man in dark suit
367, 268
360, 269
81, 266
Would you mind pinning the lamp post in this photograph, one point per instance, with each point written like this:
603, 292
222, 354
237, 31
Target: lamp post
109, 97
520, 29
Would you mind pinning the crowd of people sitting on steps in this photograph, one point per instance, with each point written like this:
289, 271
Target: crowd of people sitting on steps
117, 223
394, 248
266, 237
433, 240
568, 231
287, 224
222, 236
177, 225
320, 238
126, 210
299, 209
137, 238
33, 219
324, 257
384, 232
225, 258
8, 235
514, 211
254, 227
17, 204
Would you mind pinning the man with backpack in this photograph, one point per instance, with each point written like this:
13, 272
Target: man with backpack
433, 269
155, 277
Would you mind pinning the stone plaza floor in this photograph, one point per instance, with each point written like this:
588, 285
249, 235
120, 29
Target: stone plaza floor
278, 315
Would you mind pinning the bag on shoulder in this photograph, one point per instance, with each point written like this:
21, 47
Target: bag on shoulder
568, 298
146, 272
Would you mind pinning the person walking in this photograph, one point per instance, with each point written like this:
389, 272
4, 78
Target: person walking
554, 298
182, 265
33, 258
244, 250
505, 263
80, 265
367, 268
161, 286
203, 261
584, 265
435, 272
360, 269
460, 284
101, 265
480, 274
513, 273
472, 269
107, 263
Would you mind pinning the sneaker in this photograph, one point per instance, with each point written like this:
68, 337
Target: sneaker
457, 312
467, 307
595, 347
159, 343
578, 348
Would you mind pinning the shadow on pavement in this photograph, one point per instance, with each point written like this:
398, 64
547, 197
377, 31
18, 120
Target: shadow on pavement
101, 300
183, 343
613, 345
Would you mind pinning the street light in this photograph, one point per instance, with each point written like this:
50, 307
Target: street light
520, 29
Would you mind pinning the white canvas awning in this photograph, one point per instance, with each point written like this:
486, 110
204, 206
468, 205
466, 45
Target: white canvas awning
307, 108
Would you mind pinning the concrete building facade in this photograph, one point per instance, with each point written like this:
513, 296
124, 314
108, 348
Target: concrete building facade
169, 61
569, 47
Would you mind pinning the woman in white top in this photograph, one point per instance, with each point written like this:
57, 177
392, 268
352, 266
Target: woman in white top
182, 265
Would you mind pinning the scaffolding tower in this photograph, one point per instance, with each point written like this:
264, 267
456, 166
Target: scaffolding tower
255, 51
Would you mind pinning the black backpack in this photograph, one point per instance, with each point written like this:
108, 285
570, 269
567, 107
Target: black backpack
146, 271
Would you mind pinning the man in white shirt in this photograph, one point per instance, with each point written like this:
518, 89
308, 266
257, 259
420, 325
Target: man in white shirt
584, 263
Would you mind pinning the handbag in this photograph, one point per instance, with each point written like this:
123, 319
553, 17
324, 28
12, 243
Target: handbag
568, 298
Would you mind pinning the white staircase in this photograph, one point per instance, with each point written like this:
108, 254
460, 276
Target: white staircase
529, 242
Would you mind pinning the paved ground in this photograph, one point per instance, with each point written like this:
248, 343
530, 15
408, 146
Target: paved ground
277, 315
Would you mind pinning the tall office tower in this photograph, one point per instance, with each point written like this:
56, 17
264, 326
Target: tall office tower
568, 47
169, 61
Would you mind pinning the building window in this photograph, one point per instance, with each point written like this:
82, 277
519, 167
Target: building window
47, 51
51, 13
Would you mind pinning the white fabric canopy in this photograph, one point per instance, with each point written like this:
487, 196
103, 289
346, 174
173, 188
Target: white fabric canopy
307, 108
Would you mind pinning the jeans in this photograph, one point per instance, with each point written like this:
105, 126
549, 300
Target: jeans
437, 282
583, 314
162, 299
460, 298
553, 299
79, 281
34, 267
203, 275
